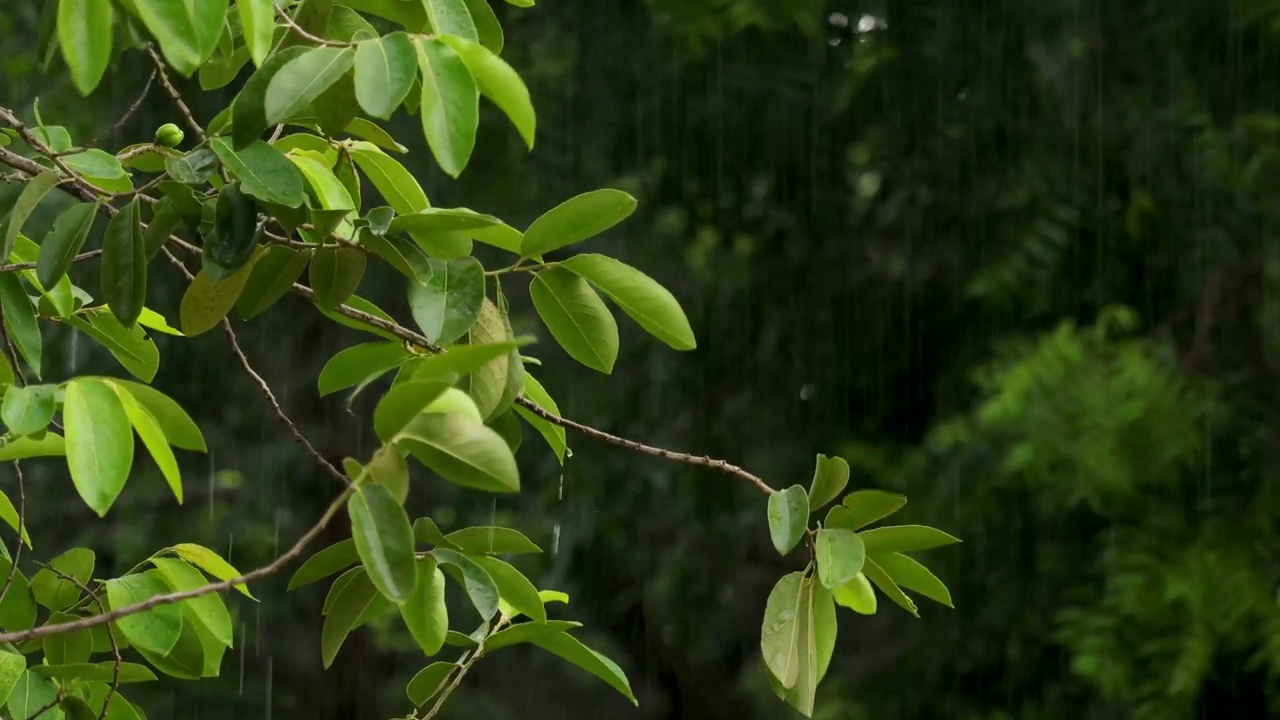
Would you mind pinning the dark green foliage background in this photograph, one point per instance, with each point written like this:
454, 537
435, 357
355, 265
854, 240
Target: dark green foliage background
1017, 260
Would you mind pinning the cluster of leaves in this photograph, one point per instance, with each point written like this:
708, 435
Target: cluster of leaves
261, 213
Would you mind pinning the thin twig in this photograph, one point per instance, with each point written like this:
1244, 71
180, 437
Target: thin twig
463, 668
306, 35
22, 530
15, 267
174, 95
146, 89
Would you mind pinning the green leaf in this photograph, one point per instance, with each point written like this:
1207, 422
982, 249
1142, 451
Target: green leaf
68, 647
12, 667
100, 168
572, 650
153, 439
424, 612
56, 592
207, 301
425, 531
526, 632
781, 631
31, 694
494, 386
392, 181
51, 445
840, 555
461, 451
857, 595
910, 574
155, 630
194, 168
492, 540
428, 682
384, 73
904, 538
576, 219
359, 364
404, 402
513, 587
488, 29
179, 429
447, 303
20, 320
210, 562
788, 518
99, 442
460, 360
296, 85
405, 256
33, 192
450, 105
552, 433
349, 603
187, 31
263, 172
104, 672
881, 579
867, 506
497, 81
356, 302
248, 112
324, 184
373, 133
816, 641
338, 556
63, 242
9, 514
207, 609
648, 303
124, 265
576, 317
384, 540
829, 479
479, 585
234, 237
388, 468
272, 277
257, 19
130, 346
28, 409
84, 34
450, 17
442, 220
335, 274
18, 607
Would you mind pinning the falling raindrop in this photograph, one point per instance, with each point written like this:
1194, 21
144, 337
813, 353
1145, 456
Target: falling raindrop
269, 669
212, 465
555, 529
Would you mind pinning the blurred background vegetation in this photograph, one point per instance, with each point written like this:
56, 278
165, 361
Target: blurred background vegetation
1014, 259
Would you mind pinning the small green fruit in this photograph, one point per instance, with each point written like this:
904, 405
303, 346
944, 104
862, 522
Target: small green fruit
169, 135
454, 400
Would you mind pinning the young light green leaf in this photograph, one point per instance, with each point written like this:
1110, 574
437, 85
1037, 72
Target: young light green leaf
56, 592
179, 429
212, 563
450, 106
461, 451
840, 555
100, 168
881, 579
275, 272
492, 540
488, 29
9, 514
857, 595
451, 17
526, 632
187, 31
513, 587
910, 574
20, 319
459, 361
552, 433
257, 19
63, 241
904, 538
424, 612
99, 442
358, 364
576, 317
33, 192
448, 303
338, 556
396, 185
335, 275
84, 34
155, 630
867, 506
781, 631
576, 219
124, 265
648, 303
103, 672
136, 352
480, 586
788, 517
572, 650
208, 609
50, 445
829, 479
384, 73
384, 540
296, 85
817, 641
428, 682
153, 439
497, 81
12, 667
263, 172
29, 409
207, 301
350, 602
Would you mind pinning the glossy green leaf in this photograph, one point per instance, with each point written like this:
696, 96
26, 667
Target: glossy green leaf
68, 647
576, 317
492, 540
442, 220
153, 439
393, 182
273, 275
257, 19
187, 31
461, 451
84, 35
18, 607
33, 192
296, 85
20, 320
9, 514
424, 612
576, 219
234, 236
359, 363
389, 469
450, 105
136, 352
572, 650
155, 630
830, 477
447, 303
526, 632
206, 609
479, 585
460, 360
104, 672
349, 604
840, 555
193, 168
100, 168
248, 111
643, 299
881, 580
335, 274
356, 302
207, 301
337, 557
910, 574
488, 29
402, 403
263, 172
904, 538
12, 667
495, 385
179, 429
63, 242
124, 265
99, 441
498, 82
513, 587
27, 410
552, 433
867, 506
815, 643
50, 445
384, 540
405, 256
788, 518
384, 73
56, 592
857, 595
212, 563
31, 694
428, 682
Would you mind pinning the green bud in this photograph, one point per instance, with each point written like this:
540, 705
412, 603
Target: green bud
169, 135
